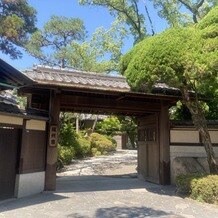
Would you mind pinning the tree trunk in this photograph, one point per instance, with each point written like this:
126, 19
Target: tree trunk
77, 123
132, 139
94, 124
200, 124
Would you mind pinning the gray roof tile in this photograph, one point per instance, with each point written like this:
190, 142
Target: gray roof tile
74, 78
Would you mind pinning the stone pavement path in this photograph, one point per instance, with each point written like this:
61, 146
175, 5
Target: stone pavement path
106, 196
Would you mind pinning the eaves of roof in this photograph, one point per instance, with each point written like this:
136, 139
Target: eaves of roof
11, 78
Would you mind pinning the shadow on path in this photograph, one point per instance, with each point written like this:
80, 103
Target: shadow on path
14, 204
96, 183
77, 184
128, 212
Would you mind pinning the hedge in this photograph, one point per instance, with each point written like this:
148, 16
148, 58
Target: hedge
200, 187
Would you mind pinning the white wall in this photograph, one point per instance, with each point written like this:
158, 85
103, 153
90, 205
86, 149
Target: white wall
29, 184
185, 143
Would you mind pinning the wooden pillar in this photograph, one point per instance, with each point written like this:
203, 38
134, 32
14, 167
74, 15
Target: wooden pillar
22, 152
164, 145
51, 158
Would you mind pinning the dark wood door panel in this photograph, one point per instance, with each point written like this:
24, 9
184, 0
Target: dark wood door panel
149, 159
9, 139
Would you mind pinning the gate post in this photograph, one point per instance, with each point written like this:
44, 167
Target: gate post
53, 129
164, 145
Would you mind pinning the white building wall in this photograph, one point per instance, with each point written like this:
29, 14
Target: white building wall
29, 184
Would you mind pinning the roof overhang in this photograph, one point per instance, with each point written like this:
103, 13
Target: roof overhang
11, 78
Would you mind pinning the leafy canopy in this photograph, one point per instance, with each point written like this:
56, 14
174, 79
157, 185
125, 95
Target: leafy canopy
136, 16
178, 57
50, 45
124, 11
177, 12
101, 53
62, 42
17, 21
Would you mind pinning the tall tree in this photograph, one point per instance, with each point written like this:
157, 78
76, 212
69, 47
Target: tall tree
133, 13
62, 42
186, 58
17, 22
173, 10
50, 45
126, 11
101, 53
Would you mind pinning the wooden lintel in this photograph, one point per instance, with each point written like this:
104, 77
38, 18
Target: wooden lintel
108, 103
121, 97
104, 111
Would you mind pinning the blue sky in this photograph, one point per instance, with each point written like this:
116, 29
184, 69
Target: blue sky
93, 18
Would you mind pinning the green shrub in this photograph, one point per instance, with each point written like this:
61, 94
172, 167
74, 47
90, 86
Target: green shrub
95, 152
68, 136
101, 143
200, 187
205, 189
183, 182
84, 147
65, 154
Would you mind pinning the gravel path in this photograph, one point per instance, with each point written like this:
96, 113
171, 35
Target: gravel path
122, 162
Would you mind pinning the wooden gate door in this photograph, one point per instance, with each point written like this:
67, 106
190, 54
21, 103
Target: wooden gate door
9, 140
149, 149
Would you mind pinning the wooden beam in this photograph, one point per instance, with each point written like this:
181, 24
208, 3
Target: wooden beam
104, 111
51, 159
164, 145
101, 103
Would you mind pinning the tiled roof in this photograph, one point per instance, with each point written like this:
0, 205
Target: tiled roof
13, 109
163, 88
74, 78
8, 97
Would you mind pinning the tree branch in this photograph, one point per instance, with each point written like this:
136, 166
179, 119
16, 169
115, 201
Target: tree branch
149, 19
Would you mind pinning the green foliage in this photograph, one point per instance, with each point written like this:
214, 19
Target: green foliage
110, 126
129, 126
180, 57
101, 53
126, 12
185, 58
68, 136
50, 45
72, 145
62, 43
173, 10
132, 15
83, 148
113, 125
205, 189
183, 182
17, 21
201, 187
100, 144
65, 154
180, 112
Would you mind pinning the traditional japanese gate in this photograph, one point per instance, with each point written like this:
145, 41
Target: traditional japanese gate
68, 90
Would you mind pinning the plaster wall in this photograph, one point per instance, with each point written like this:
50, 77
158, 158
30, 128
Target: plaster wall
29, 184
36, 125
11, 120
214, 136
187, 155
182, 136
